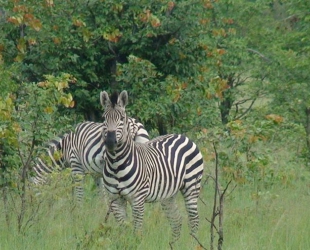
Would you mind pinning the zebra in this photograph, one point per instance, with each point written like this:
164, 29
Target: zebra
149, 172
82, 151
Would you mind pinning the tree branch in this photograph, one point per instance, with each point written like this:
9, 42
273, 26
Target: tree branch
198, 242
260, 54
246, 111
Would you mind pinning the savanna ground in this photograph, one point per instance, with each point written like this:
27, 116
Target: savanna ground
255, 217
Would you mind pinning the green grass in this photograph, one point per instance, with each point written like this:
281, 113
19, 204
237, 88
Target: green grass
276, 218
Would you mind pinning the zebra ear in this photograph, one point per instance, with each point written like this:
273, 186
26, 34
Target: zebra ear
104, 99
123, 99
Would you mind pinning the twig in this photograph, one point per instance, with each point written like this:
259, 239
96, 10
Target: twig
221, 215
231, 190
202, 201
246, 111
214, 213
211, 222
198, 242
260, 54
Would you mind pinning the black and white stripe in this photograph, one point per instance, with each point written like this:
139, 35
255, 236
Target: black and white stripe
154, 171
82, 151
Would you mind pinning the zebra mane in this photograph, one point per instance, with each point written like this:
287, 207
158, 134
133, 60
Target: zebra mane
114, 98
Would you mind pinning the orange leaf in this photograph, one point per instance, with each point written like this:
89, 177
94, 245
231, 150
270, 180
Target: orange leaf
184, 85
204, 21
32, 41
36, 24
42, 84
204, 130
78, 23
49, 3
56, 40
171, 5
21, 46
199, 111
275, 118
155, 22
221, 51
14, 20
72, 103
28, 17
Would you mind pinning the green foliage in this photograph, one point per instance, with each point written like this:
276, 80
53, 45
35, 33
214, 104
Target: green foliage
230, 54
100, 34
246, 151
157, 99
28, 120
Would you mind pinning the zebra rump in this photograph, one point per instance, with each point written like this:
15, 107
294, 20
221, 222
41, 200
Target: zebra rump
43, 167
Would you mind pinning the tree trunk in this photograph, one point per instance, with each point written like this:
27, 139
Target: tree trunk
227, 101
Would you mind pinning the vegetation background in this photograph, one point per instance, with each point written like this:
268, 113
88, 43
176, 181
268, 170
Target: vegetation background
232, 75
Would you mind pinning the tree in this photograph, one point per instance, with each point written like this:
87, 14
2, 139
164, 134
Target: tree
289, 52
28, 118
96, 36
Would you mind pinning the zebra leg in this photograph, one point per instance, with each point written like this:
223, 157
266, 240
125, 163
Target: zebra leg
118, 207
100, 187
174, 217
78, 179
191, 200
138, 214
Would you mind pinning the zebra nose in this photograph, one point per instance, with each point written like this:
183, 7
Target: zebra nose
110, 141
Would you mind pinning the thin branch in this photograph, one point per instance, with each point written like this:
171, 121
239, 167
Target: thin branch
202, 201
231, 190
246, 111
224, 191
198, 242
208, 176
35, 212
216, 229
214, 213
240, 81
243, 101
260, 54
221, 215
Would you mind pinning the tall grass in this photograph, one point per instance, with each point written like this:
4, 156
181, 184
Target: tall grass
279, 219
276, 219
255, 217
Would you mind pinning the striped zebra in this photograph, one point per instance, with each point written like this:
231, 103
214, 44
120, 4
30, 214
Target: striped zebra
154, 171
82, 151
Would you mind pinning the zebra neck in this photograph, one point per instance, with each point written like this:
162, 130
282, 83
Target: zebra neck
121, 155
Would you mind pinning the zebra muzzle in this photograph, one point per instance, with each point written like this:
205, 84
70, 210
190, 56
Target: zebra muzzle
110, 141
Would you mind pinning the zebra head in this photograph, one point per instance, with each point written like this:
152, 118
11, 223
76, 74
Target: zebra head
115, 119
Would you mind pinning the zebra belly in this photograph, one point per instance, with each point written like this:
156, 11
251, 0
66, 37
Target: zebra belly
160, 197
